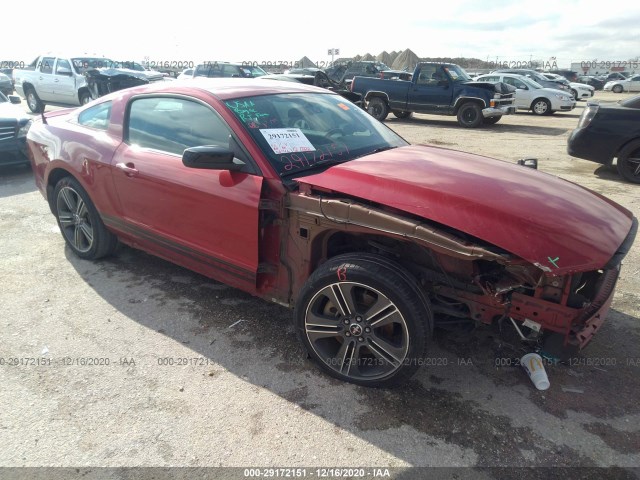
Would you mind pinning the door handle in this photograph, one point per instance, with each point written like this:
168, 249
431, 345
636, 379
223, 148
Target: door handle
128, 169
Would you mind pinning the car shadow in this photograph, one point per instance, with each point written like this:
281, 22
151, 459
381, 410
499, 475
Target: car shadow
16, 180
462, 403
497, 128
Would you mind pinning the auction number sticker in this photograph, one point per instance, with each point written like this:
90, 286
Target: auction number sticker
287, 140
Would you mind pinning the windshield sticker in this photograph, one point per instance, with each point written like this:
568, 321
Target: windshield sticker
246, 111
322, 154
287, 140
343, 106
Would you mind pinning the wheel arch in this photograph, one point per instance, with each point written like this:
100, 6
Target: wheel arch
623, 146
462, 100
54, 176
373, 94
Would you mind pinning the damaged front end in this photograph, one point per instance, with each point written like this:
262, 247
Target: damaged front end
463, 276
102, 81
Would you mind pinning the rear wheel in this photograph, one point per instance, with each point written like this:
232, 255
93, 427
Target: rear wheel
33, 101
541, 106
491, 120
378, 108
629, 162
79, 221
470, 115
362, 320
402, 113
617, 89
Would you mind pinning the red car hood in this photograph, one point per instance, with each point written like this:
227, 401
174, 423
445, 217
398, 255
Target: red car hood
555, 224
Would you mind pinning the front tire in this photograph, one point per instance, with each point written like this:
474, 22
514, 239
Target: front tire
362, 320
617, 89
85, 97
629, 162
575, 94
491, 120
33, 101
470, 115
378, 108
80, 222
541, 106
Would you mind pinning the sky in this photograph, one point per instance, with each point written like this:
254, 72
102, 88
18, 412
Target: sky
270, 31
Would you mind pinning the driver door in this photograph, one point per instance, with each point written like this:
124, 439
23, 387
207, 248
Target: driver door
206, 220
432, 90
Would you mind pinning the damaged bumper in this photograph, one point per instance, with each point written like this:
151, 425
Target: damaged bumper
498, 111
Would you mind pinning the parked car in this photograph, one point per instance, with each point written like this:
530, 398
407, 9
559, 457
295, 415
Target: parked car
369, 240
320, 79
304, 70
631, 84
531, 95
570, 75
186, 73
591, 80
14, 124
56, 80
579, 91
215, 69
536, 77
149, 74
344, 73
613, 76
440, 89
610, 130
6, 84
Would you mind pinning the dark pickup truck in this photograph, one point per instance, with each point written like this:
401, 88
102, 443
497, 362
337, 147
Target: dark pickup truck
437, 88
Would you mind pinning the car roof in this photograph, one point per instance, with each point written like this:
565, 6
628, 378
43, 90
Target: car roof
223, 88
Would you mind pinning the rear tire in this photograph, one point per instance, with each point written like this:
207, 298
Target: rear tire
629, 162
470, 115
378, 108
402, 113
79, 221
362, 321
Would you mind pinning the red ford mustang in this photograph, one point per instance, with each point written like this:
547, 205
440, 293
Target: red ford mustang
295, 195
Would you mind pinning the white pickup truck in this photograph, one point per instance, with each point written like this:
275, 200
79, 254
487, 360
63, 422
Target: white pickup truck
56, 80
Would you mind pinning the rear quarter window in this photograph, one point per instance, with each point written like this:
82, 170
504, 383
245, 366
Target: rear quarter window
96, 117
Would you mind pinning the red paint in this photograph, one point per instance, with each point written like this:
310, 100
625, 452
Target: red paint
524, 211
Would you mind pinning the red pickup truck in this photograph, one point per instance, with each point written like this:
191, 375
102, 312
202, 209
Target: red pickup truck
295, 195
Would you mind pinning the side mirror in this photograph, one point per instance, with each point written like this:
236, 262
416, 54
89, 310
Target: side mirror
63, 71
211, 157
529, 162
15, 99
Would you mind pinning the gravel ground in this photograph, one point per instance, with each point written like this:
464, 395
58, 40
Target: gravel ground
148, 364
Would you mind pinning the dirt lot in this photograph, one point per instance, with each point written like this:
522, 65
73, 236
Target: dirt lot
200, 374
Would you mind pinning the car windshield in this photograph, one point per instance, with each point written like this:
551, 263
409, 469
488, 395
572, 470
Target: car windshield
457, 73
301, 132
530, 83
82, 64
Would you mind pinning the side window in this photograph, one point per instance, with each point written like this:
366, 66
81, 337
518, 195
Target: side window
510, 81
519, 84
210, 69
174, 124
46, 65
63, 64
231, 71
96, 117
